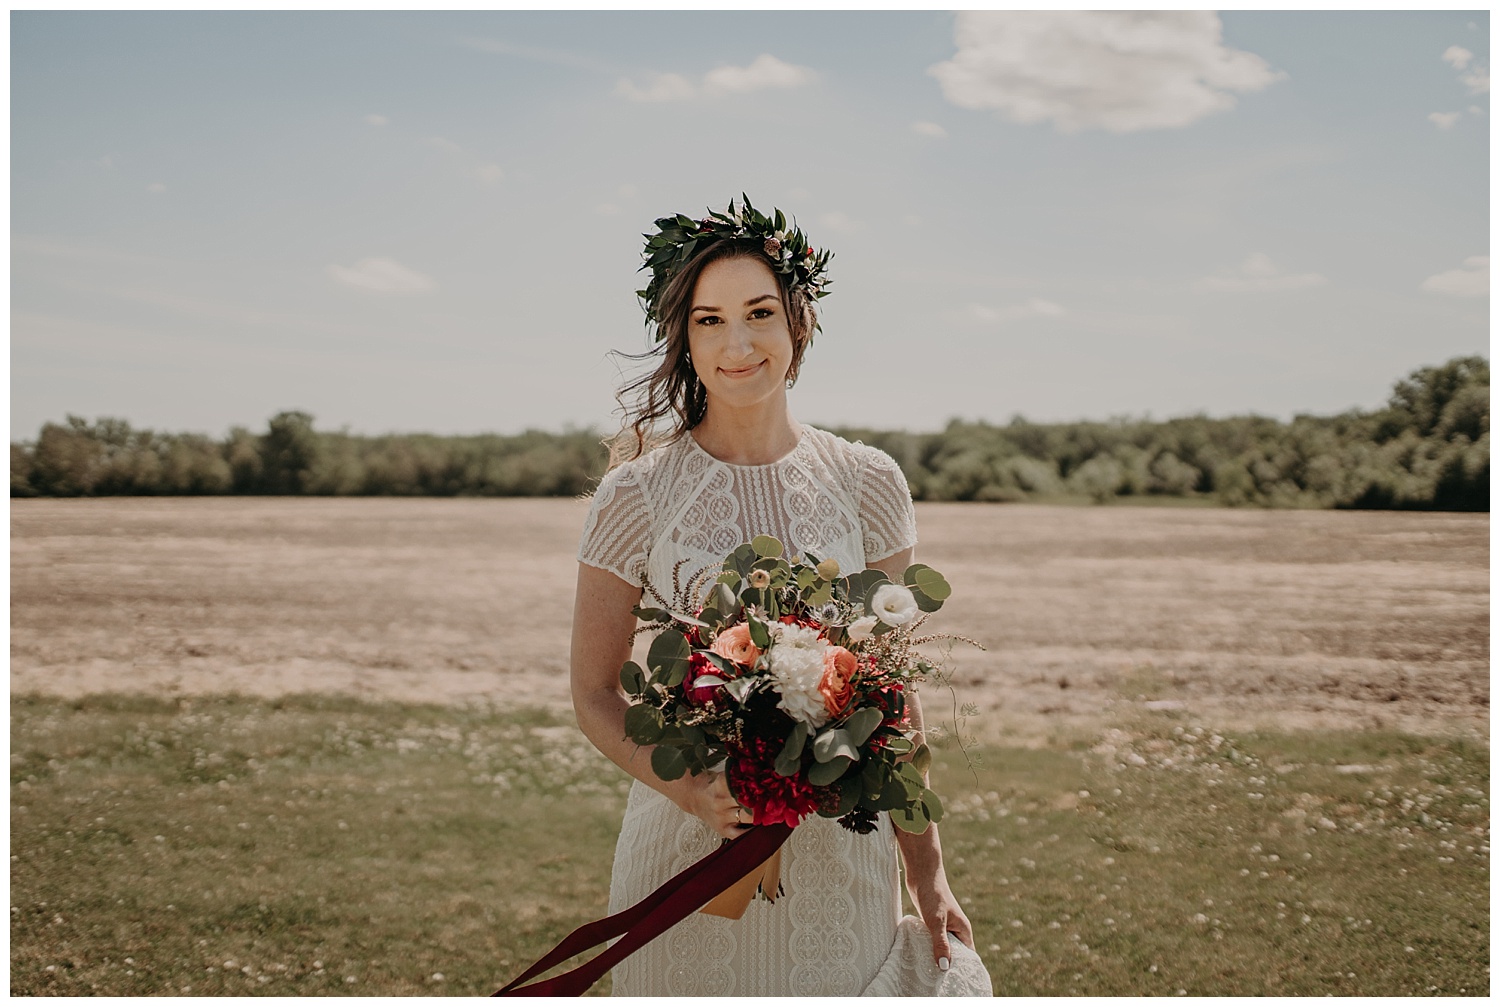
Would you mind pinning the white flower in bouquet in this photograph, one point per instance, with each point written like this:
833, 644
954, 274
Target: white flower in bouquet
861, 628
894, 604
795, 662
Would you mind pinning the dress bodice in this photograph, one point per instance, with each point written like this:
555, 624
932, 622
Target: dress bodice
665, 521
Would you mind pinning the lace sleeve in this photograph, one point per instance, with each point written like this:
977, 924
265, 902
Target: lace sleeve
887, 518
617, 532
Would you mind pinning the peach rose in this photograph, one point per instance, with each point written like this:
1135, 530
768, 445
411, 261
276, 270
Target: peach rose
734, 644
837, 686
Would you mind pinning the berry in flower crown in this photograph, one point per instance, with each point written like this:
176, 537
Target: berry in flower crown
678, 237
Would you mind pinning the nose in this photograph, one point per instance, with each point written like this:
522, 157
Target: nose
739, 344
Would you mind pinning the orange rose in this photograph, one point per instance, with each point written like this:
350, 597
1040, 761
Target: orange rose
734, 644
837, 686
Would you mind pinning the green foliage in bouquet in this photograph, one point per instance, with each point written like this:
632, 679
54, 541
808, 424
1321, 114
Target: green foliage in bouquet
792, 677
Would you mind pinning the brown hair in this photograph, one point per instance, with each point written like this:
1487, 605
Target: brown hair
673, 388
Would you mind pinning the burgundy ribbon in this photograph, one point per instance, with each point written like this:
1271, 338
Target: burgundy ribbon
649, 918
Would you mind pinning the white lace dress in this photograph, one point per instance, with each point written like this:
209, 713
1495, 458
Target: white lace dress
662, 522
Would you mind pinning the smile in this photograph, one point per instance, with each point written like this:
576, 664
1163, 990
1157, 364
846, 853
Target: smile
741, 372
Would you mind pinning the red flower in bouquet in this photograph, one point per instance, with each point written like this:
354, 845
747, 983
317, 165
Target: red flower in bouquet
774, 799
702, 695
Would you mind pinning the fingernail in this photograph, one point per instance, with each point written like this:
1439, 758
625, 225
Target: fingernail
943, 964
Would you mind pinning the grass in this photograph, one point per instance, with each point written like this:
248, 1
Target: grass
314, 846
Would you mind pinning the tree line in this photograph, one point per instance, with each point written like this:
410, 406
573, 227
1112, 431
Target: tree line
1426, 449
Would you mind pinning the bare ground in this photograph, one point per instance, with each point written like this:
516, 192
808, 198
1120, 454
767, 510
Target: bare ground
1246, 618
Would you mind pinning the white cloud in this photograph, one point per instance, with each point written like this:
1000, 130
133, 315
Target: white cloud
1444, 120
1473, 280
929, 129
1116, 70
1035, 307
385, 276
658, 87
1477, 80
1258, 274
376, 120
444, 144
156, 187
489, 173
607, 209
1457, 56
766, 71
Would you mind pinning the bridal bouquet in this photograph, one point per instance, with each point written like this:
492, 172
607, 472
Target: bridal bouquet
794, 679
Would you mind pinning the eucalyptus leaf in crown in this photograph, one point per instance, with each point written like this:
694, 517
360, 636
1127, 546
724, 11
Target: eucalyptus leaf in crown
678, 237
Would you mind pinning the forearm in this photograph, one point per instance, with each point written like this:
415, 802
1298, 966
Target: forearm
921, 853
601, 717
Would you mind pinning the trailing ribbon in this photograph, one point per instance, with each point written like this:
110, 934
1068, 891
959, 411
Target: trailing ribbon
674, 901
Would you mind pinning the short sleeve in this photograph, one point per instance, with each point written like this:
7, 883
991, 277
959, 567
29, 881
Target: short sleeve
887, 518
617, 532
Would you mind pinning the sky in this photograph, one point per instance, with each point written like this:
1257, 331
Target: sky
405, 222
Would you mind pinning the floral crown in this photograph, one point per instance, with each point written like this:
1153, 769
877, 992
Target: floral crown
679, 237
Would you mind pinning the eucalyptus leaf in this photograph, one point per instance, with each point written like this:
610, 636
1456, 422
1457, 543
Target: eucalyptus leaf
861, 584
668, 657
922, 758
767, 547
740, 688
633, 678
759, 635
834, 743
911, 819
821, 774
795, 740
932, 806
861, 724
668, 762
651, 614
644, 724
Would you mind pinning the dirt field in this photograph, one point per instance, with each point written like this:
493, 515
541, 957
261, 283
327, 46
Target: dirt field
1243, 617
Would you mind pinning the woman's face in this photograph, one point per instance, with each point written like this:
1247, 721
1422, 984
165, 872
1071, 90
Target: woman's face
738, 333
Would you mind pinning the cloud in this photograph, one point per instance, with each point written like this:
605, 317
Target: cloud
444, 144
765, 71
1457, 56
929, 129
1473, 280
1477, 80
384, 276
376, 120
1116, 70
1036, 307
658, 87
490, 173
156, 187
1258, 274
1475, 110
1444, 120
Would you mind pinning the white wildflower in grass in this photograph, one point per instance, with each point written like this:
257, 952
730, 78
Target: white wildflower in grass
795, 661
894, 604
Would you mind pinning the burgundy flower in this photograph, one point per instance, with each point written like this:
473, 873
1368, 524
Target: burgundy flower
772, 797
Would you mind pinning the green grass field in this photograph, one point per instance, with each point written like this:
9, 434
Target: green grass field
316, 846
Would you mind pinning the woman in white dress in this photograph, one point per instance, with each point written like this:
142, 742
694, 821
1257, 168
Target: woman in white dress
734, 313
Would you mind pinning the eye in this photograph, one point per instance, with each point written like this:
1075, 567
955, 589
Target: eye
708, 320
762, 313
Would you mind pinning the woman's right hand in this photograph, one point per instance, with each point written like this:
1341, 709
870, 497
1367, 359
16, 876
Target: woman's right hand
708, 798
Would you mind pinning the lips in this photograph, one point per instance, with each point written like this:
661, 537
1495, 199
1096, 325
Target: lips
742, 372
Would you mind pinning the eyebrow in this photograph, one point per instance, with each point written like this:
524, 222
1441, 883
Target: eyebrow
753, 300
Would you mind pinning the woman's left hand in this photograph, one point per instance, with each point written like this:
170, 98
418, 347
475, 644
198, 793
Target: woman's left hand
941, 913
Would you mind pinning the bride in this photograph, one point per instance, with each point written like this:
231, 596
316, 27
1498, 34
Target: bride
732, 302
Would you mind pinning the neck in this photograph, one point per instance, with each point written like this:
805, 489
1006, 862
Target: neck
753, 435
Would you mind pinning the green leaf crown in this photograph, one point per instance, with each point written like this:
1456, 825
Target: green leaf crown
679, 237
